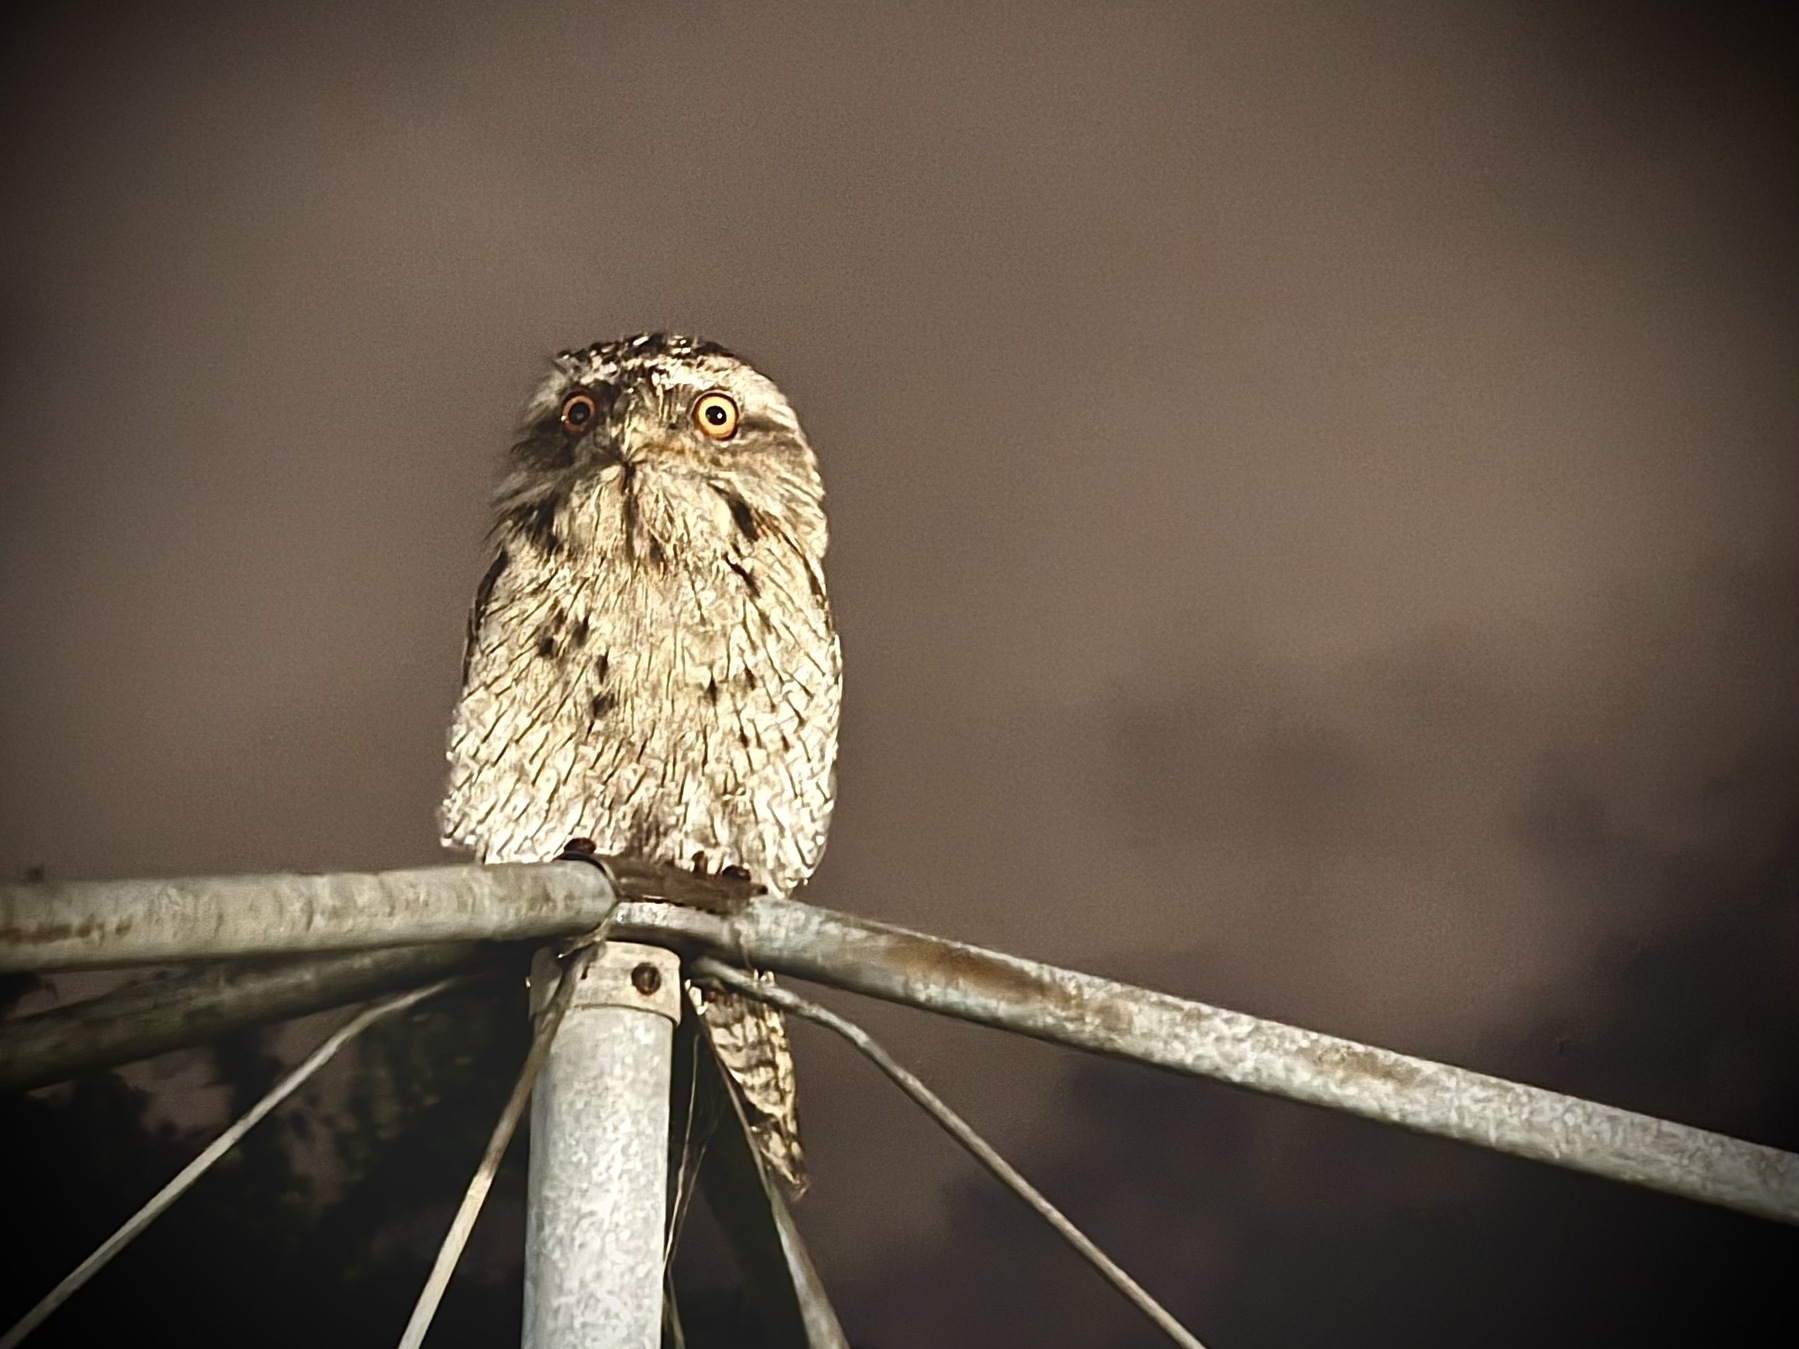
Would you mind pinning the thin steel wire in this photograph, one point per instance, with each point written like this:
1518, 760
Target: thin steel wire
476, 1195
219, 1146
689, 1165
708, 968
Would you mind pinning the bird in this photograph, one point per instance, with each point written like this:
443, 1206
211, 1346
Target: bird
651, 661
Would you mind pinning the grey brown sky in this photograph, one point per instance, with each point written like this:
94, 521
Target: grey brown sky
1313, 487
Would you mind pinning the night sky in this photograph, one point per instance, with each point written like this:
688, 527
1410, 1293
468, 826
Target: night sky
1313, 497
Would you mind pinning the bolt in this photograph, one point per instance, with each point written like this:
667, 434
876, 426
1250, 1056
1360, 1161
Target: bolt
646, 979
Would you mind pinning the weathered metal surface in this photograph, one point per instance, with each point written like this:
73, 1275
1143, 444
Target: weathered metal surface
1080, 1010
598, 1185
97, 924
192, 1006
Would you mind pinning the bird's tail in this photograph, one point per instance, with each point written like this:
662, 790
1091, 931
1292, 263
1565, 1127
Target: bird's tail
750, 1038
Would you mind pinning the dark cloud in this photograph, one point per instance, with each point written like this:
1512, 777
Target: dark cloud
1312, 498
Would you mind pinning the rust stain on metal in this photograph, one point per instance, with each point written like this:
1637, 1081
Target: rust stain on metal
1007, 987
939, 961
1350, 1063
40, 934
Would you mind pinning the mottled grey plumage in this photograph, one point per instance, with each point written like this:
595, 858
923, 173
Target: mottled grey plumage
651, 660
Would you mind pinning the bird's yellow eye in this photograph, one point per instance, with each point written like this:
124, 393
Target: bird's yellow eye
578, 412
716, 415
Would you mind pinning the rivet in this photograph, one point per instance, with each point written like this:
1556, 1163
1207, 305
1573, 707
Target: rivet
646, 979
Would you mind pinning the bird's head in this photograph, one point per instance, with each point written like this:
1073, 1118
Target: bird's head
662, 415
658, 400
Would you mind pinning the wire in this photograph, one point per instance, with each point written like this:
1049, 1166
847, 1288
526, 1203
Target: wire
708, 968
219, 1146
476, 1195
689, 1164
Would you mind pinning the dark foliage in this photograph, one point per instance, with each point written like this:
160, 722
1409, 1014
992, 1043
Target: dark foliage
260, 1253
254, 1255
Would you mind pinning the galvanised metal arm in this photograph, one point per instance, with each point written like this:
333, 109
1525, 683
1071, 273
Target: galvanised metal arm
76, 925
1085, 1012
207, 1001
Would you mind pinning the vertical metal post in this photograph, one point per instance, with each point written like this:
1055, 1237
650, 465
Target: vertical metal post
598, 1187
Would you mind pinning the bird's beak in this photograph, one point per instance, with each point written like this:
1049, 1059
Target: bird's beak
607, 447
607, 441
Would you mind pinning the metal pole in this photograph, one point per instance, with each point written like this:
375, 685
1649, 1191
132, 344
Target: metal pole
598, 1186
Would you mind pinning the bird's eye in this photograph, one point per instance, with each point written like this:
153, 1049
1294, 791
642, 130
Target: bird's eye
578, 412
716, 415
